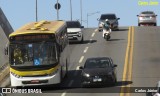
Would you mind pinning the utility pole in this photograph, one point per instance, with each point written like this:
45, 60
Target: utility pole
57, 11
81, 10
36, 12
71, 9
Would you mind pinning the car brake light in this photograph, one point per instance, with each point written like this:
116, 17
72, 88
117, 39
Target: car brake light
141, 16
153, 16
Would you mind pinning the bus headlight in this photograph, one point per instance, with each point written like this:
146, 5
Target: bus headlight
86, 75
16, 75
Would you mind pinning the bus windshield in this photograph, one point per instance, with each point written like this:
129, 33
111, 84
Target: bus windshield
33, 54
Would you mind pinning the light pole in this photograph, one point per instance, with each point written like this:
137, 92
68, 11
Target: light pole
71, 9
57, 11
89, 14
81, 10
36, 12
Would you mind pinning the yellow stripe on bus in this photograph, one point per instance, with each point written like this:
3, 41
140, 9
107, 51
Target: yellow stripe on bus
32, 73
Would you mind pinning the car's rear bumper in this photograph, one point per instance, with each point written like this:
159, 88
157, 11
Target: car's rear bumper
104, 80
146, 21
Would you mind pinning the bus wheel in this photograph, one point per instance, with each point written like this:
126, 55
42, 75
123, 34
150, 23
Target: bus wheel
66, 68
61, 75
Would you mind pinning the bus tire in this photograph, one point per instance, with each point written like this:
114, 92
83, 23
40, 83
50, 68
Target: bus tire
61, 75
66, 68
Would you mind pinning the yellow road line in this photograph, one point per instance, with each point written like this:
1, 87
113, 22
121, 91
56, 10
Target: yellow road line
130, 61
127, 71
131, 56
126, 61
127, 55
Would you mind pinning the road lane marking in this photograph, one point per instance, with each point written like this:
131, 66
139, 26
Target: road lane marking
63, 94
125, 64
81, 59
96, 30
77, 68
131, 56
90, 41
70, 83
126, 56
92, 34
127, 71
85, 50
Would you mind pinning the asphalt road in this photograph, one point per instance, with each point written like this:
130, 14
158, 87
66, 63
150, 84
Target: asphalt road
134, 49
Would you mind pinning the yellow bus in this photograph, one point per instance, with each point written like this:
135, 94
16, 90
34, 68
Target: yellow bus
39, 53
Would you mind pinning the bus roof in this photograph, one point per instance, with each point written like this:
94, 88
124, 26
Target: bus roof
39, 27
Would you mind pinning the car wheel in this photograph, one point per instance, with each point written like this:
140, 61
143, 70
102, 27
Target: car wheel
82, 40
66, 68
61, 75
139, 24
117, 29
115, 80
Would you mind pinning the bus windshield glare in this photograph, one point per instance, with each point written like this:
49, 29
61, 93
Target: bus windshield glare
33, 54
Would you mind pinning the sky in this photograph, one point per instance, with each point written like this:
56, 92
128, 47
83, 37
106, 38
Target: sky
20, 12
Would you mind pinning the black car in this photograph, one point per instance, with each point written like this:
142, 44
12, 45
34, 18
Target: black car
99, 70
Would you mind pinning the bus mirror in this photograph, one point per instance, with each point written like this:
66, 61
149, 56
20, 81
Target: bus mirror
6, 51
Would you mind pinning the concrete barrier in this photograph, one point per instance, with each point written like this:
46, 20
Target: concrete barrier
4, 73
4, 66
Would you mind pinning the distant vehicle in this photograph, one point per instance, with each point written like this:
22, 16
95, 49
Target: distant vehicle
147, 18
39, 53
100, 70
112, 19
74, 31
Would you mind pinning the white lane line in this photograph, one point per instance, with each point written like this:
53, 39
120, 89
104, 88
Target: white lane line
81, 59
70, 83
90, 40
96, 30
63, 94
92, 34
85, 50
77, 68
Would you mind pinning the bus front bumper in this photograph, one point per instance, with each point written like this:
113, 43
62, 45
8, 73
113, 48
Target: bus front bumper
32, 81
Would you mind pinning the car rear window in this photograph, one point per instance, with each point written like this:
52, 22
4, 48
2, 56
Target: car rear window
147, 12
73, 25
97, 63
108, 16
